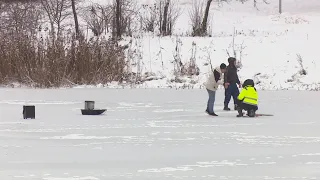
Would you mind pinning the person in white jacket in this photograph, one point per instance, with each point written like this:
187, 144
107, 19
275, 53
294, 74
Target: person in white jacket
212, 84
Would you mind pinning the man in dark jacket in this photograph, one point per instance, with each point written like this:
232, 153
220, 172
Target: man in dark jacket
231, 80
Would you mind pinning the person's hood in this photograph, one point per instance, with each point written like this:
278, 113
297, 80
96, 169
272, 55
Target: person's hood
218, 69
248, 83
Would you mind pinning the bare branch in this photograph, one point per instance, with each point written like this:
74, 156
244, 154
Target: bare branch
57, 11
97, 17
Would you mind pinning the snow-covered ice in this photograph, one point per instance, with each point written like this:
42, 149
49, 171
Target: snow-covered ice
156, 134
164, 133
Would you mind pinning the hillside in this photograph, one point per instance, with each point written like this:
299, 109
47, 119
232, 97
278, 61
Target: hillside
277, 50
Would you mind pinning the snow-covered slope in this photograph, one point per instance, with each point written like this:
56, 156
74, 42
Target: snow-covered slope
271, 45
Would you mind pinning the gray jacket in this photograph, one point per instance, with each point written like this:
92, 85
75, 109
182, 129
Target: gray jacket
214, 80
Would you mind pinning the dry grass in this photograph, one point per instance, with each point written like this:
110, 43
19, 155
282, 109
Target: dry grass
44, 64
31, 57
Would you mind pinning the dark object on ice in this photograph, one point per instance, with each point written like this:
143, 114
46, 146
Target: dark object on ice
93, 111
29, 112
89, 105
256, 115
89, 109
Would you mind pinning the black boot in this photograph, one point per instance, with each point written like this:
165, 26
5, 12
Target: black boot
240, 112
252, 113
211, 114
240, 115
226, 108
236, 107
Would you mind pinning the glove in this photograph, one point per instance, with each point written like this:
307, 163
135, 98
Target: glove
226, 85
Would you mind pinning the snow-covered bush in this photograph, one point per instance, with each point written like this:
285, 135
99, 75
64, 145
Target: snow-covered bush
190, 68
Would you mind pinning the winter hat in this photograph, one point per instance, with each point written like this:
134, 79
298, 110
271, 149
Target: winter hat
223, 66
231, 60
248, 82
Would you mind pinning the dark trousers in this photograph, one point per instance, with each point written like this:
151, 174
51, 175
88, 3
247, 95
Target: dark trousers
233, 91
251, 109
246, 107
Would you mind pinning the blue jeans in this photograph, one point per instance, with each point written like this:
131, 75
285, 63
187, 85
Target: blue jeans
233, 91
212, 98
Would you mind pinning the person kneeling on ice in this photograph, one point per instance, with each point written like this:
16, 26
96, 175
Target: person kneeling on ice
248, 99
211, 85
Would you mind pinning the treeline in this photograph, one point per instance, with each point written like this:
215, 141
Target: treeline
45, 43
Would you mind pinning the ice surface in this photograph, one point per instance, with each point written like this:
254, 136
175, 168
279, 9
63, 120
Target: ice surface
156, 134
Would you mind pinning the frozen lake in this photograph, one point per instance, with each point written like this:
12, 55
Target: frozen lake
156, 134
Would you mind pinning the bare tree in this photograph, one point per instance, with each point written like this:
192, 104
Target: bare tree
195, 15
19, 1
237, 50
75, 16
205, 17
165, 18
1, 6
21, 18
162, 15
173, 14
149, 19
97, 18
57, 11
199, 19
255, 3
118, 15
18, 35
280, 6
124, 11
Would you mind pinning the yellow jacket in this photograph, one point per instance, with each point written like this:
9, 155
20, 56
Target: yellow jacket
249, 95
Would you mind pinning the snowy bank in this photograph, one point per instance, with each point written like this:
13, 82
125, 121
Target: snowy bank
278, 51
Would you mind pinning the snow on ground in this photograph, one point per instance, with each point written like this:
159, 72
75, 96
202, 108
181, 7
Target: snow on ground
156, 134
272, 44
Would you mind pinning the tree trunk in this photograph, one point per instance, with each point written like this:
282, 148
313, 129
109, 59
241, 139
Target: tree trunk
53, 33
160, 16
165, 18
118, 18
76, 23
205, 18
280, 6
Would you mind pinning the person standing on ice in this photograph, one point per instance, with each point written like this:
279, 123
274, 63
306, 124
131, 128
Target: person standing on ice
248, 99
231, 80
212, 85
